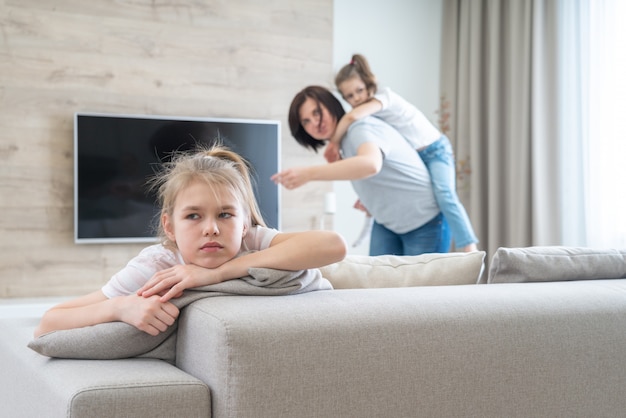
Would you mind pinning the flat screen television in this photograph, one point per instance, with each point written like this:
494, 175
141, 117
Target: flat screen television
115, 154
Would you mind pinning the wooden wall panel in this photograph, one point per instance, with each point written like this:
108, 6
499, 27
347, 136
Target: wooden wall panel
236, 58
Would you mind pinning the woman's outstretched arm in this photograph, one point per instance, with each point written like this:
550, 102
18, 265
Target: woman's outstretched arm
366, 163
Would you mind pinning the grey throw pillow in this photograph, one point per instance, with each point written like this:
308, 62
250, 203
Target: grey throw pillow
555, 263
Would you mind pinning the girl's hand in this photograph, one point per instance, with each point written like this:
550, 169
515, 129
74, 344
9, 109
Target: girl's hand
148, 314
171, 282
331, 153
292, 178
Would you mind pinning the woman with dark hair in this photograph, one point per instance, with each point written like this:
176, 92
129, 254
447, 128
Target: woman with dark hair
388, 176
322, 97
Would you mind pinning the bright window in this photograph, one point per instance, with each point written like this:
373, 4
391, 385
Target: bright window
606, 142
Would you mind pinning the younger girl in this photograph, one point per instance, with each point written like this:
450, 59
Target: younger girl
357, 84
209, 216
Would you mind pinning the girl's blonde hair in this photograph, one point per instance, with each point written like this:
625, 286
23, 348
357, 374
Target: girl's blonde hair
216, 166
358, 67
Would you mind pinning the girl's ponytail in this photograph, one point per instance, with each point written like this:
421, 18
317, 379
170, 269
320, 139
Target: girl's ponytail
358, 67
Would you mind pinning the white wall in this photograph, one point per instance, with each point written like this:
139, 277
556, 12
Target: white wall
401, 40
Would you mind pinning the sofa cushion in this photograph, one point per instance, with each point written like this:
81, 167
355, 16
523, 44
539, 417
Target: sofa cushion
434, 269
555, 263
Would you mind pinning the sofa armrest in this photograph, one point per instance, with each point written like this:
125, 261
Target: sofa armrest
37, 386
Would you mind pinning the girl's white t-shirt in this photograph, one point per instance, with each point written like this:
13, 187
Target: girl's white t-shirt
156, 257
412, 124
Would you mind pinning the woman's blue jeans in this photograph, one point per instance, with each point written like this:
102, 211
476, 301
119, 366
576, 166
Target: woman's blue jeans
433, 237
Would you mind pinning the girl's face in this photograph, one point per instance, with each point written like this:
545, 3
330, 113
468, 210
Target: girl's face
317, 120
354, 91
207, 224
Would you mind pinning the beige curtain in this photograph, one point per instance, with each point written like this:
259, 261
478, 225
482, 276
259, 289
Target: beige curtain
498, 106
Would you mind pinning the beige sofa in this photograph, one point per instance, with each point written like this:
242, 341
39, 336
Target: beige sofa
549, 349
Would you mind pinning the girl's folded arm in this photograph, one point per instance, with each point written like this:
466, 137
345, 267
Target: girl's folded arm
146, 314
90, 309
290, 251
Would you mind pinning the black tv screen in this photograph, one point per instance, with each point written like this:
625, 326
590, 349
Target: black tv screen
115, 155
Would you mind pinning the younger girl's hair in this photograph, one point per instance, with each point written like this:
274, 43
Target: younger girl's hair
321, 96
216, 166
358, 67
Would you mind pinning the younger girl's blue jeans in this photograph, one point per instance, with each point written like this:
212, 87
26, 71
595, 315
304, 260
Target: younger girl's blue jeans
439, 160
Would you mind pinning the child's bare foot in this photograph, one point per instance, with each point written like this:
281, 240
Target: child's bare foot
469, 248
